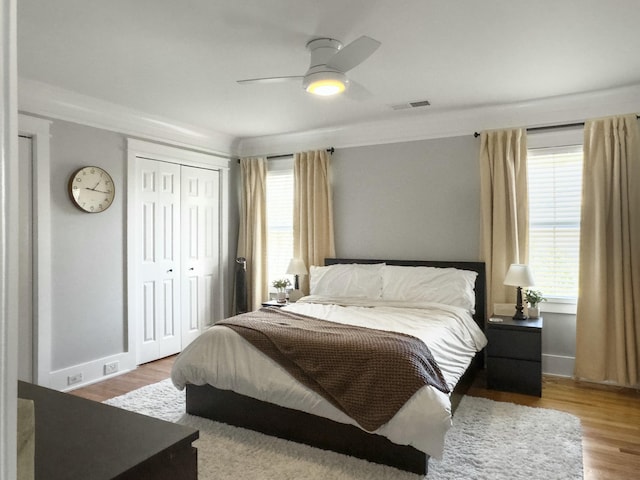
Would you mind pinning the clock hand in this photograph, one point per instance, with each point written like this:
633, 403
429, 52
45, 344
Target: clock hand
97, 191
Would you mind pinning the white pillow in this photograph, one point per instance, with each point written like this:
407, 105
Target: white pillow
355, 280
450, 286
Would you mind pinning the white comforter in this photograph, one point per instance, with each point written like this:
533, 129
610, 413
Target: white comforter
222, 358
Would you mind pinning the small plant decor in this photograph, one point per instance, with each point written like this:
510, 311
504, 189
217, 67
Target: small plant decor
534, 297
281, 284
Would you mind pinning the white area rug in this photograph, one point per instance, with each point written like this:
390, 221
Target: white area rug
488, 440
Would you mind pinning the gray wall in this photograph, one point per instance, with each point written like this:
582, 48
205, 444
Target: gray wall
421, 200
89, 303
88, 250
414, 200
558, 342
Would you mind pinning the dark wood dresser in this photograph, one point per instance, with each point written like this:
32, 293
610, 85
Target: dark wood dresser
514, 355
80, 439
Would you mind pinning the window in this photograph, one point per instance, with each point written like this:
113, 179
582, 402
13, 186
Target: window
279, 217
555, 190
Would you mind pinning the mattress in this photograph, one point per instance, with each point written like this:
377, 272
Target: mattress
222, 358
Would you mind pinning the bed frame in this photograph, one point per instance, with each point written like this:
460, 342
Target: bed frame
235, 409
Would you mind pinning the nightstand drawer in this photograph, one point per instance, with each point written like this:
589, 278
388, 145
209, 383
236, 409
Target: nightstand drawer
517, 344
521, 376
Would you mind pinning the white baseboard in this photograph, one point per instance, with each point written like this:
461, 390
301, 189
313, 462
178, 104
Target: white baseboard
90, 372
558, 365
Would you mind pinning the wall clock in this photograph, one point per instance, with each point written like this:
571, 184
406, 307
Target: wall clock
91, 189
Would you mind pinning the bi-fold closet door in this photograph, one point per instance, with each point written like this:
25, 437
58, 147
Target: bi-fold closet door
178, 255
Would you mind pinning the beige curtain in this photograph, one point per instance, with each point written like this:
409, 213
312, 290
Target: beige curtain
252, 237
504, 208
312, 210
608, 318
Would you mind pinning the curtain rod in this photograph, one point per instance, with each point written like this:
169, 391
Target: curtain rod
550, 127
284, 155
271, 157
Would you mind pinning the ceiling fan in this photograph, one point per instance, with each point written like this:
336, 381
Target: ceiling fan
329, 63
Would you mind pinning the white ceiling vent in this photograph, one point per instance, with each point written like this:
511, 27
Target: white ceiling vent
404, 106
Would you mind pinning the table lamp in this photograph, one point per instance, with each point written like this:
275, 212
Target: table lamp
519, 275
296, 268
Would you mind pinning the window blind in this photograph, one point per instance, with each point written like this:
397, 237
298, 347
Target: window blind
279, 217
555, 191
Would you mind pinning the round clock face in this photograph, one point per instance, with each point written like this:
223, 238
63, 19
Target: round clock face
92, 189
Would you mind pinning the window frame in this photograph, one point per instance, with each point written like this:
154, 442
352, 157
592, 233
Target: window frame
556, 138
280, 164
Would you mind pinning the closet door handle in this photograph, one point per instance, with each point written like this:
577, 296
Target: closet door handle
191, 268
170, 270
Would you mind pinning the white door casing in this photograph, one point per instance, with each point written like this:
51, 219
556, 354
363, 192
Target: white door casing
8, 240
25, 261
158, 258
38, 131
200, 208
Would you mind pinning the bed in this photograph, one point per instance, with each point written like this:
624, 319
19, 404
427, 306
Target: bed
229, 380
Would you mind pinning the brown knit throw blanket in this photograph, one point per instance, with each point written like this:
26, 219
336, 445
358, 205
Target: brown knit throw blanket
368, 374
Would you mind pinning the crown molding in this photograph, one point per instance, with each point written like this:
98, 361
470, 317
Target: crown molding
406, 126
401, 126
53, 102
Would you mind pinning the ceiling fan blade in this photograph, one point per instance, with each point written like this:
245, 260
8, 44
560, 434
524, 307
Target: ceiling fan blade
353, 54
270, 79
358, 92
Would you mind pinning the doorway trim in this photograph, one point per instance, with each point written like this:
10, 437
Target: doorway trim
39, 131
153, 151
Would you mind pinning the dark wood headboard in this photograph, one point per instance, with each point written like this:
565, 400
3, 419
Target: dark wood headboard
480, 287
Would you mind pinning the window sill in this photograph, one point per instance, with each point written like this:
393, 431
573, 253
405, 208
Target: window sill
553, 306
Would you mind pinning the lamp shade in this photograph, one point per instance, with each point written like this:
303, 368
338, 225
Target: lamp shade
297, 267
519, 275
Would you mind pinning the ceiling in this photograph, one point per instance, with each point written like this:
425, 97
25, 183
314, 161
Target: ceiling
180, 59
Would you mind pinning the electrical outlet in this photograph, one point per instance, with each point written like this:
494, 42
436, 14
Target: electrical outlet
110, 368
73, 379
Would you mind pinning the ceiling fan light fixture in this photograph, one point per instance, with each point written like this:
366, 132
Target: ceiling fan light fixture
326, 87
328, 65
325, 83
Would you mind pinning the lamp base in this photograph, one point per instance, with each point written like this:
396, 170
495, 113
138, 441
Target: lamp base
519, 316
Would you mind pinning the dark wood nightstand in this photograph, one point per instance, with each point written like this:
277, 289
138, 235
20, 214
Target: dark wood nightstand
274, 303
514, 355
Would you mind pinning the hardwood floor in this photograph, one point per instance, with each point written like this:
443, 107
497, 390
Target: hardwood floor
143, 375
610, 416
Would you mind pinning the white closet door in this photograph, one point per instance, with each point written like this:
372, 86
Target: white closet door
200, 208
159, 259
